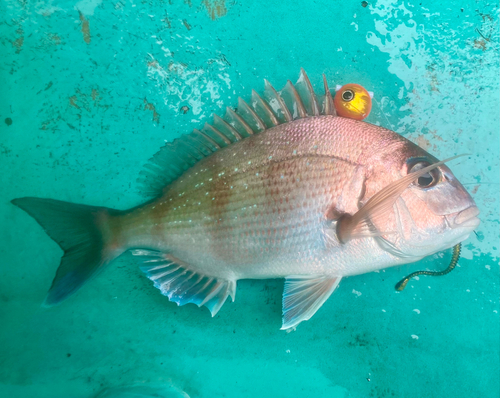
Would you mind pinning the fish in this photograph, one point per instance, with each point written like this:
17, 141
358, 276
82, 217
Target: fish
282, 187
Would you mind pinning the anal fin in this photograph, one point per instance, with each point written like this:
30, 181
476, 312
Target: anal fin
303, 296
182, 285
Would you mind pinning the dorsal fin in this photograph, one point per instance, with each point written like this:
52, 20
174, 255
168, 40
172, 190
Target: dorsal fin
293, 101
255, 122
273, 108
238, 123
264, 110
328, 106
306, 93
277, 103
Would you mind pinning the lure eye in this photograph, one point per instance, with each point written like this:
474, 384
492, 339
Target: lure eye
348, 95
352, 101
428, 179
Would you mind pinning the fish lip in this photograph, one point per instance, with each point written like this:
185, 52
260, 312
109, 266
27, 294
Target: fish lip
467, 218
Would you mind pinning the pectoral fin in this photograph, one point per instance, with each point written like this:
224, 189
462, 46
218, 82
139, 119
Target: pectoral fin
304, 295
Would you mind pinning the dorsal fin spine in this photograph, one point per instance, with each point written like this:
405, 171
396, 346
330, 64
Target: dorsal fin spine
218, 120
329, 108
284, 108
267, 109
218, 133
202, 140
300, 105
314, 101
234, 115
214, 143
258, 121
181, 153
200, 144
193, 149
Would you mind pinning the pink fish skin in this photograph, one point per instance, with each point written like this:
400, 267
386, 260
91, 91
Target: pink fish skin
272, 205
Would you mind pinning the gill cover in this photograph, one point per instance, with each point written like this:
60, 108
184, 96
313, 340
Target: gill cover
360, 224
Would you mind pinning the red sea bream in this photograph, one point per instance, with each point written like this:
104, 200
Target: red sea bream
280, 188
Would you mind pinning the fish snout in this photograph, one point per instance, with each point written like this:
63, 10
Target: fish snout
466, 219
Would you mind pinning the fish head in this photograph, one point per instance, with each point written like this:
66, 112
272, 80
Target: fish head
434, 213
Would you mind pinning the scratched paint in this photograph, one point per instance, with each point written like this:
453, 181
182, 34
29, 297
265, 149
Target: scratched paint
215, 8
79, 118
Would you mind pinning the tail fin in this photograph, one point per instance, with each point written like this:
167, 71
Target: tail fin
81, 231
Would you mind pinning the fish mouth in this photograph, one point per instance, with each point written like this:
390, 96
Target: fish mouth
467, 219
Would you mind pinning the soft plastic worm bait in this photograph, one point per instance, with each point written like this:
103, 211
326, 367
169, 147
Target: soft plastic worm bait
454, 260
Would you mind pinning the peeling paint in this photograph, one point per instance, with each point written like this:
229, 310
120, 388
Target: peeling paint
85, 27
215, 8
54, 38
167, 21
95, 96
72, 101
18, 43
480, 44
86, 100
150, 107
186, 24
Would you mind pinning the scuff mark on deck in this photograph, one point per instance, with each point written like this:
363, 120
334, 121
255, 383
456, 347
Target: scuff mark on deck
215, 8
72, 101
85, 27
18, 43
150, 107
186, 24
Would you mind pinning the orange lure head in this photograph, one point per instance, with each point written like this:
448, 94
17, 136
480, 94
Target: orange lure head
353, 101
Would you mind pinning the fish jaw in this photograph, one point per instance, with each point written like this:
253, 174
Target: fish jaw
466, 219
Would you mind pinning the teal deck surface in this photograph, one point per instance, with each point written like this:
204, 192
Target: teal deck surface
90, 91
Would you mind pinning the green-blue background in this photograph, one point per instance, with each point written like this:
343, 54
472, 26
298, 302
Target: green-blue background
89, 91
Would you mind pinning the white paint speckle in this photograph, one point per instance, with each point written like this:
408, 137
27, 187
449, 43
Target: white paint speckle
356, 292
417, 311
414, 336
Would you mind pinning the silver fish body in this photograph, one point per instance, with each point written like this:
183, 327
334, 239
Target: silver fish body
265, 207
313, 197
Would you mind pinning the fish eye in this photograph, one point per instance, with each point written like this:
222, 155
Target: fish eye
348, 95
427, 180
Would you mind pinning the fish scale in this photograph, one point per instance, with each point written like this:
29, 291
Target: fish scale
282, 187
